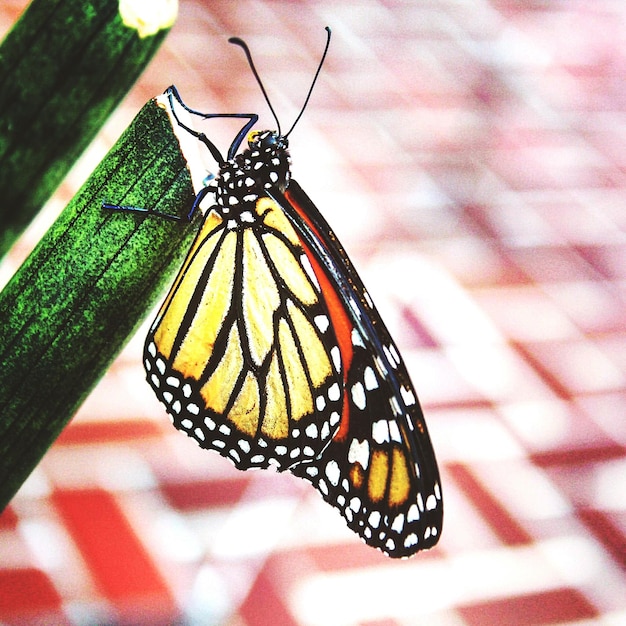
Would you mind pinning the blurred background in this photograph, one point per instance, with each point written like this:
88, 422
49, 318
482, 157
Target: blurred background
470, 155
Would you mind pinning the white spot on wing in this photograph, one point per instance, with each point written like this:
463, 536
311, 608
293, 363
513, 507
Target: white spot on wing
394, 353
407, 395
395, 406
367, 298
358, 395
374, 519
333, 473
308, 268
321, 321
334, 393
357, 340
380, 431
394, 432
335, 355
380, 366
398, 523
369, 378
359, 452
354, 305
355, 504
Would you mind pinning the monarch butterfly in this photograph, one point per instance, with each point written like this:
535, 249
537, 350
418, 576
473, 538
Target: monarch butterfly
269, 350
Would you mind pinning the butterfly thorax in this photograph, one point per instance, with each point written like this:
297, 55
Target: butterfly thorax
243, 179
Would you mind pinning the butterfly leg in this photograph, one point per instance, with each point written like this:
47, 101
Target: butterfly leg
133, 209
107, 206
252, 118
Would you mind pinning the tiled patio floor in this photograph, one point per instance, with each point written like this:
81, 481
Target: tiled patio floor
472, 158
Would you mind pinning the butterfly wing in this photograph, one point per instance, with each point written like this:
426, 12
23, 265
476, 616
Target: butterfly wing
379, 470
242, 352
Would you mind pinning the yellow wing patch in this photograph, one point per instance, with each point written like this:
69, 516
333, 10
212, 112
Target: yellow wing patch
260, 298
218, 390
388, 477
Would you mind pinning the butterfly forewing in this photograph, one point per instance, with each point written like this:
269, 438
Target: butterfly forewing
242, 353
379, 470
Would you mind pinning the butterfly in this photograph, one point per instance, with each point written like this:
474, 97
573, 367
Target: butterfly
269, 349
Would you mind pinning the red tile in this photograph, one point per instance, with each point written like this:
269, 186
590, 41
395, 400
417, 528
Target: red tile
341, 556
8, 519
546, 264
541, 609
502, 523
608, 260
420, 335
546, 374
584, 455
116, 558
607, 533
266, 602
26, 591
195, 495
104, 432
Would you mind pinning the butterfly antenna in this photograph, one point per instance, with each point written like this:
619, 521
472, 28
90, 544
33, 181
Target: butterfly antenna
242, 44
317, 73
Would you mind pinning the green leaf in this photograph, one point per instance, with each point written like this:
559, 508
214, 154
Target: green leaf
86, 287
64, 67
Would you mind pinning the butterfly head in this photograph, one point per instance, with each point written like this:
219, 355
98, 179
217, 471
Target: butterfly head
267, 141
